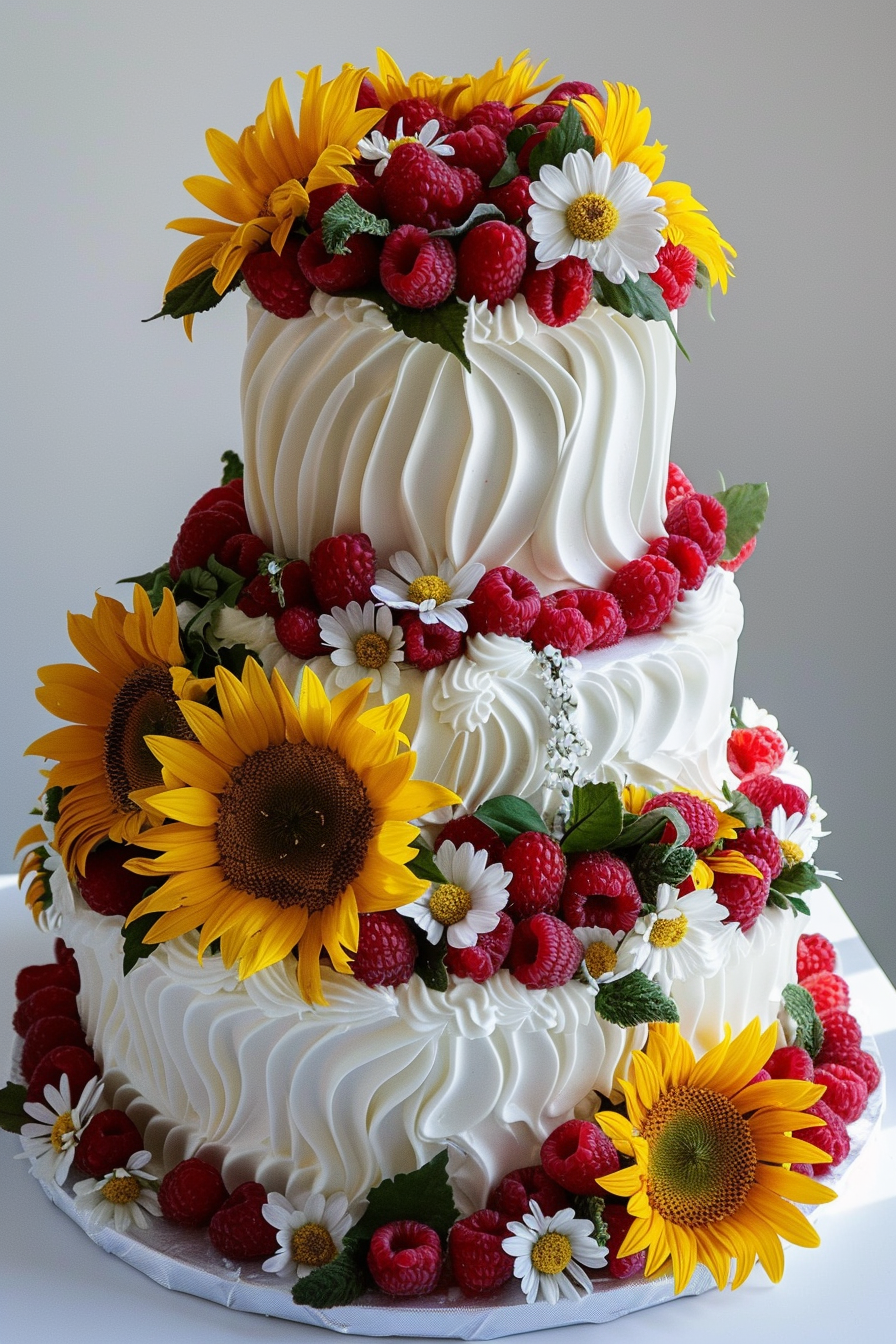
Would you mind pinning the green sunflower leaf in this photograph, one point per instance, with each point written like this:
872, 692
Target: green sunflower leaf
336, 1284
12, 1108
154, 583
746, 507
233, 467
655, 864
478, 215
442, 325
648, 828
134, 948
634, 999
801, 1007
424, 865
794, 881
509, 816
430, 964
196, 295
595, 821
345, 217
636, 298
739, 805
52, 798
422, 1196
566, 137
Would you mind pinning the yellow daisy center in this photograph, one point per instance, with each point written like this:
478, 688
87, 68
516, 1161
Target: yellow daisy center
702, 1160
122, 1190
294, 825
450, 903
313, 1245
791, 852
551, 1253
402, 140
429, 586
591, 217
144, 705
668, 932
372, 650
61, 1130
599, 959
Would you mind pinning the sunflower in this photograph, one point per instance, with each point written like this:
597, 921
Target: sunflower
710, 1179
293, 819
130, 689
513, 86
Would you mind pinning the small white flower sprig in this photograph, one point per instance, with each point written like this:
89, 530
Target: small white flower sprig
566, 745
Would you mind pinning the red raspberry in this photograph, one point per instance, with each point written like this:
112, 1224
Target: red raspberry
561, 625
862, 1064
277, 281
474, 194
420, 188
544, 952
202, 534
242, 553
258, 598
733, 565
814, 953
743, 895
387, 950
687, 558
496, 115
546, 115
299, 632
46, 1034
512, 1195
238, 1230
470, 830
367, 95
539, 871
106, 886
192, 1193
504, 602
428, 646
600, 892
845, 1092
414, 113
479, 148
545, 119
760, 843
802, 1168
51, 1001
828, 990
676, 270
480, 962
343, 569
618, 1221
78, 1064
703, 519
677, 485
601, 611
833, 1139
110, 1140
769, 792
334, 274
513, 199
62, 974
365, 191
64, 955
755, 751
415, 269
841, 1032
572, 88
227, 497
478, 1259
791, 1062
762, 1076
646, 590
561, 293
700, 817
405, 1258
576, 1153
491, 260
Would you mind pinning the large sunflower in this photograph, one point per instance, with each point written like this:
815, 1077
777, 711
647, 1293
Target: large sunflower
710, 1179
513, 86
292, 820
127, 692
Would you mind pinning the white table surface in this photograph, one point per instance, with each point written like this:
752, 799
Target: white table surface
57, 1287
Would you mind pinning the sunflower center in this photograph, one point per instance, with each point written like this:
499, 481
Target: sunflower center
294, 825
792, 852
61, 1130
668, 932
591, 217
313, 1245
372, 650
449, 903
146, 704
122, 1190
702, 1162
599, 959
429, 588
551, 1253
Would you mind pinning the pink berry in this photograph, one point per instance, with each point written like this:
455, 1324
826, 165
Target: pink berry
646, 590
702, 518
504, 602
417, 270
544, 952
336, 273
405, 1258
387, 949
576, 1154
559, 294
538, 871
491, 260
600, 892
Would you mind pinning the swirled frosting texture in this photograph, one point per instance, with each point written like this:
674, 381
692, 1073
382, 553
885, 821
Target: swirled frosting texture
551, 455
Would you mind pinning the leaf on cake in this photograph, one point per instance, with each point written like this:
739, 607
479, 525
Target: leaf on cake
566, 137
509, 816
430, 963
654, 864
649, 827
478, 215
634, 999
233, 467
510, 167
154, 583
746, 506
196, 295
592, 1207
442, 325
595, 821
738, 804
422, 1196
801, 1007
346, 217
336, 1284
12, 1108
134, 947
424, 865
794, 881
636, 298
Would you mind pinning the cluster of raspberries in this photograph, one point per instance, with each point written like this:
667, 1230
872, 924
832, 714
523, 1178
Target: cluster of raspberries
422, 194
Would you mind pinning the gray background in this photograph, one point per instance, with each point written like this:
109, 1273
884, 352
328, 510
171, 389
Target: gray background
779, 116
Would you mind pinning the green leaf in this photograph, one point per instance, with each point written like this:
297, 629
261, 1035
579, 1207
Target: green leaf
592, 1207
478, 215
422, 1196
654, 864
196, 295
222, 573
442, 325
779, 902
233, 467
636, 298
595, 821
345, 217
649, 827
336, 1284
799, 905
52, 798
430, 963
12, 1108
518, 137
739, 805
634, 999
196, 582
745, 506
794, 881
509, 816
199, 627
424, 865
567, 137
801, 1007
134, 947
510, 167
703, 281
154, 583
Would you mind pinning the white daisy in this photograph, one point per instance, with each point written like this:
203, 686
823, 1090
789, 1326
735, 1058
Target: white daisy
600, 964
435, 597
365, 643
549, 1253
375, 148
799, 833
308, 1236
592, 210
467, 903
124, 1196
684, 937
50, 1144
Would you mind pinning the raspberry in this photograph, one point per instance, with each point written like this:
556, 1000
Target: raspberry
415, 269
828, 990
110, 1139
733, 565
478, 1259
600, 892
490, 262
762, 1076
51, 1001
858, 1061
561, 625
814, 953
192, 1193
428, 646
755, 751
479, 148
387, 950
802, 1168
576, 1153
62, 974
618, 1221
203, 533
106, 885
544, 117
405, 1258
277, 282
496, 115
504, 602
474, 193
470, 830
687, 558
64, 955
414, 113
334, 274
677, 485
298, 631
78, 1064
46, 1034
511, 1196
676, 270
343, 569
487, 955
513, 199
769, 792
420, 188
242, 553
743, 895
227, 497
601, 611
646, 590
258, 598
841, 1032
560, 293
700, 817
238, 1230
544, 952
572, 88
763, 844
833, 1139
365, 191
703, 519
547, 114
845, 1092
791, 1062
367, 95
539, 871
